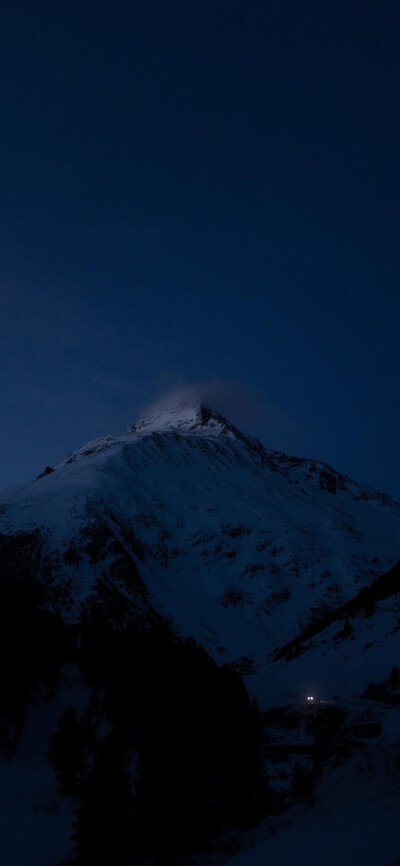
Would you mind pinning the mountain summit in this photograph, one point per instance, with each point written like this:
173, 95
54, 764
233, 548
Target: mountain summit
185, 515
191, 419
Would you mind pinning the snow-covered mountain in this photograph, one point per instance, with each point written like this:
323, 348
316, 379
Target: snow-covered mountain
240, 546
184, 514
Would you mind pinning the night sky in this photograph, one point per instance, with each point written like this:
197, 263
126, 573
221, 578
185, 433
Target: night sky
201, 191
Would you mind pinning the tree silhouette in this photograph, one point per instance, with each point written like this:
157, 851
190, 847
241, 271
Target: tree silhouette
102, 830
66, 752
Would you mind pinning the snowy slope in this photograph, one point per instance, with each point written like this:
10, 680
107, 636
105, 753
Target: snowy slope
184, 514
354, 821
355, 817
35, 819
336, 662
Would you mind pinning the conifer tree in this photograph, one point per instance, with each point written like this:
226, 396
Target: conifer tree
66, 752
103, 826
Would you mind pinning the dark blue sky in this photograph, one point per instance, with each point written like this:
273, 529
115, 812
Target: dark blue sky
195, 191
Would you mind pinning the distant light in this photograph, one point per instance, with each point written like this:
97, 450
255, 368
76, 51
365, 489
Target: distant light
310, 698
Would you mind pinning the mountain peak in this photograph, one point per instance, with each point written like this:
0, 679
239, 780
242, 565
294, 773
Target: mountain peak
184, 418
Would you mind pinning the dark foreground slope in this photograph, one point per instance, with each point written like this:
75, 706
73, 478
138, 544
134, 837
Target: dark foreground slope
156, 748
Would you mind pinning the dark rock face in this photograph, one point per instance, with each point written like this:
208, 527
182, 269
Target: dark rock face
118, 591
47, 471
20, 554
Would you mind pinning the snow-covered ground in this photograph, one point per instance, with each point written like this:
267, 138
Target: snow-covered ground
332, 665
355, 820
35, 818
